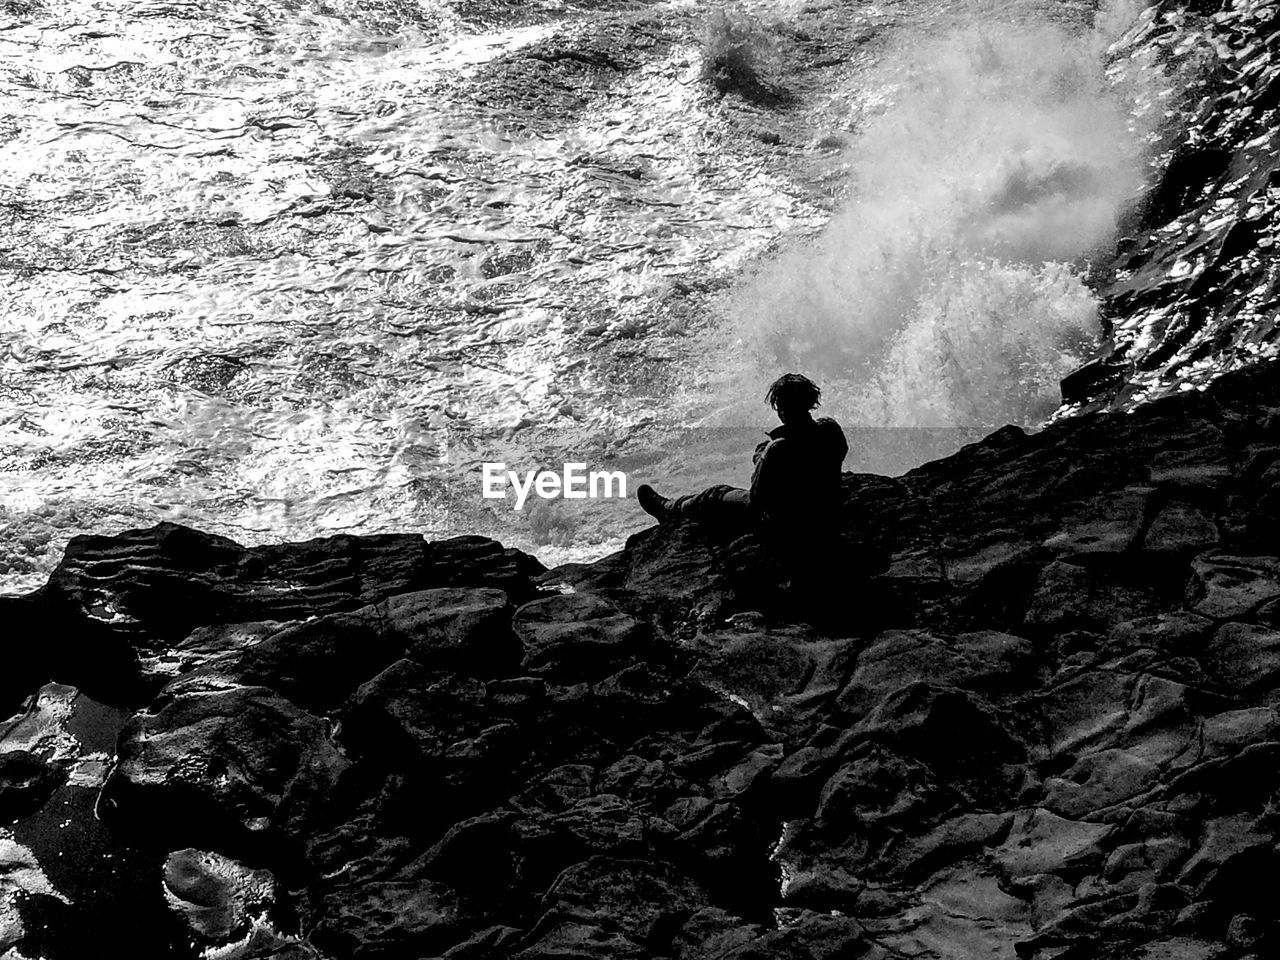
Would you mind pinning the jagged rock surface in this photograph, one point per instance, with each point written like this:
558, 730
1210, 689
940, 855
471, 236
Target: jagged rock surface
1047, 728
1193, 288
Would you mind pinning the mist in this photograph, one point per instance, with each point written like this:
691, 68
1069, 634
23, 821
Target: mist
948, 290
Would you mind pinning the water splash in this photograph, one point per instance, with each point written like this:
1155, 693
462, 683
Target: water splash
950, 289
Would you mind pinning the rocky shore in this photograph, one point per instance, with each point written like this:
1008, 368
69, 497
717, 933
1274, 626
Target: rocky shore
1041, 723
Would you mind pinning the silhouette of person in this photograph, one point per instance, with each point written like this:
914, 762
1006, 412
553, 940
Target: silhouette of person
794, 496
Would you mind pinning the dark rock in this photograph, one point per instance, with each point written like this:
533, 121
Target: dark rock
786, 676
679, 562
1068, 595
950, 841
1179, 633
217, 896
491, 942
1042, 842
466, 630
1246, 657
27, 666
145, 590
1180, 529
945, 727
232, 767
1228, 587
390, 919
1044, 732
988, 661
26, 782
613, 908
878, 787
713, 932
1106, 525
808, 936
578, 636
1187, 285
437, 725
318, 663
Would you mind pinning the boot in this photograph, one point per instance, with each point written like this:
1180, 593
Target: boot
652, 502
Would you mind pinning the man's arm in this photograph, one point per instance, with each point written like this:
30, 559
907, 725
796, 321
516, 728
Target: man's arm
764, 479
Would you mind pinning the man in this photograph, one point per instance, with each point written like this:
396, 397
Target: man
795, 487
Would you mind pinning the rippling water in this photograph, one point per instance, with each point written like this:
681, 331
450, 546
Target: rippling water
271, 264
285, 269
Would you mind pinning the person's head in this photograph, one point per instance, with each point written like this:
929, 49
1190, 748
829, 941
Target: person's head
793, 396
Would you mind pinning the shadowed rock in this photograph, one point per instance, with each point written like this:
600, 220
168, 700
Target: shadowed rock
26, 782
1039, 730
233, 767
142, 591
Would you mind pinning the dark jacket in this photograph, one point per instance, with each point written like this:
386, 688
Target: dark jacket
795, 488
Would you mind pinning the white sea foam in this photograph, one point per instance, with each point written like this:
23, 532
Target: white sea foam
949, 289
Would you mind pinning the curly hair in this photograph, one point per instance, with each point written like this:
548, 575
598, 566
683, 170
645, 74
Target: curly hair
794, 392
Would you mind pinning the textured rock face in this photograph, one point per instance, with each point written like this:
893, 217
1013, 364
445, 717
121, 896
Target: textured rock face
236, 765
113, 600
217, 896
26, 782
1194, 288
1048, 728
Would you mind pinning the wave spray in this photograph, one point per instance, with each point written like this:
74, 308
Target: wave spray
949, 290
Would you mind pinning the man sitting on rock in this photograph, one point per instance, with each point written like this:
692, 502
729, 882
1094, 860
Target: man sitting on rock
794, 497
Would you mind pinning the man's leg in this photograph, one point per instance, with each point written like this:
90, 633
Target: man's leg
721, 505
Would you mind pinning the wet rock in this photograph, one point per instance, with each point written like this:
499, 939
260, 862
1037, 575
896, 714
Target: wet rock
986, 661
317, 664
808, 934
145, 590
1245, 657
1040, 841
1180, 528
215, 895
221, 765
212, 647
1178, 633
1187, 286
26, 667
560, 75
681, 563
964, 913
947, 728
1107, 525
786, 676
577, 636
438, 724
43, 727
1068, 595
467, 630
389, 919
26, 782
21, 879
1038, 733
950, 841
613, 909
713, 932
1231, 587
